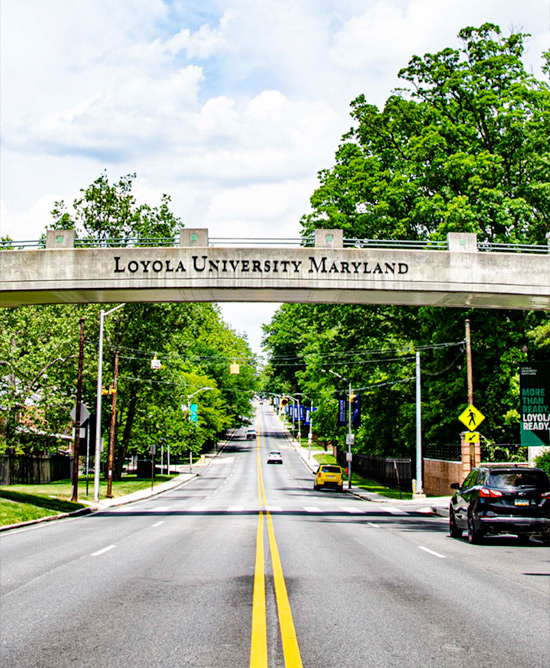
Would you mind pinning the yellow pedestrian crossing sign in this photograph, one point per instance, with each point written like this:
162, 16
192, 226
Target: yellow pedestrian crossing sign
471, 418
471, 437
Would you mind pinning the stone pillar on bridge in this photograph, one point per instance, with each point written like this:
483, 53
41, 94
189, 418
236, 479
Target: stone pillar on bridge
194, 237
329, 239
56, 239
458, 242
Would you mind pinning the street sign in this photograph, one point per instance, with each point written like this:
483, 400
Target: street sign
471, 437
471, 418
350, 439
84, 413
348, 456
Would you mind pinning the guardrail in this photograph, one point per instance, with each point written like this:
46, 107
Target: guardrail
273, 242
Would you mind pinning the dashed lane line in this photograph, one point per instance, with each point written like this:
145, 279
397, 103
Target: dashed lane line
432, 552
100, 552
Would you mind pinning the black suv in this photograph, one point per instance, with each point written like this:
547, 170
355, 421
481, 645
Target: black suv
501, 500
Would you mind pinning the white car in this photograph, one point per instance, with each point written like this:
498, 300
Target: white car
274, 457
250, 434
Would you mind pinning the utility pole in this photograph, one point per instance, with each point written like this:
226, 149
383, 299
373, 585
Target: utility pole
310, 435
111, 459
350, 436
76, 451
469, 365
419, 483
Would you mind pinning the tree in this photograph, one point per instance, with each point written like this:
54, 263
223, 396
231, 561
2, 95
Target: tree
462, 147
465, 149
110, 211
38, 362
39, 348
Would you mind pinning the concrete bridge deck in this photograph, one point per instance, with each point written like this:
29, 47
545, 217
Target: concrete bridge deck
325, 273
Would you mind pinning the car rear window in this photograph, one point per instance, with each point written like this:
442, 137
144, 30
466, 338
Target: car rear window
519, 479
331, 469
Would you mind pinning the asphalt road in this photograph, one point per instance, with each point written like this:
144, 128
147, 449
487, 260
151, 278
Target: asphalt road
248, 566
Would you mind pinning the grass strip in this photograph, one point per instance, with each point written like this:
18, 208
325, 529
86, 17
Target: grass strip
62, 489
22, 503
17, 507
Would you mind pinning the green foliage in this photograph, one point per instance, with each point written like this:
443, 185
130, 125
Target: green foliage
39, 350
108, 211
543, 462
465, 148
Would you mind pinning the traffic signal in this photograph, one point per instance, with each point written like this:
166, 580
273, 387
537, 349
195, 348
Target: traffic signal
284, 401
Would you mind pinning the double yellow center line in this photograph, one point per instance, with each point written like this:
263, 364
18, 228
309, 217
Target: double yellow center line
258, 647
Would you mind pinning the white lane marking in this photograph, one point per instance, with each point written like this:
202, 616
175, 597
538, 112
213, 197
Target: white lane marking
435, 554
395, 511
235, 509
157, 524
159, 509
274, 509
198, 508
312, 509
351, 509
105, 549
372, 524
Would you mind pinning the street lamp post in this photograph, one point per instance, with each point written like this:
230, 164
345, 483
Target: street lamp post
303, 394
103, 314
350, 435
189, 397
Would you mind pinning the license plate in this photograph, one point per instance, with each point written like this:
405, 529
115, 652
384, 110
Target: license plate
521, 502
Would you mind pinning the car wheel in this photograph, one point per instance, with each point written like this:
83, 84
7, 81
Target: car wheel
474, 536
453, 529
340, 488
315, 487
523, 538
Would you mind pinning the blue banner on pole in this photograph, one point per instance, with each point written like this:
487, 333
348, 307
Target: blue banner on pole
309, 411
342, 403
356, 411
302, 414
194, 415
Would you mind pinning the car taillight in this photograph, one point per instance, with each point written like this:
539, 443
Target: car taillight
545, 495
489, 493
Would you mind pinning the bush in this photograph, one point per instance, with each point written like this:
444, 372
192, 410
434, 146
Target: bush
543, 462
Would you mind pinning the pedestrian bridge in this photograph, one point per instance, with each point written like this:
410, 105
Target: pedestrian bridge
456, 273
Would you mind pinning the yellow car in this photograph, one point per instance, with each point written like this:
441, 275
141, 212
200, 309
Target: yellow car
329, 475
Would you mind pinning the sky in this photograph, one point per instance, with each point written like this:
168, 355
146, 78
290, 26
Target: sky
231, 107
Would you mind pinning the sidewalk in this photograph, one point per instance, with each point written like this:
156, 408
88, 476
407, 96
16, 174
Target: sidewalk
436, 505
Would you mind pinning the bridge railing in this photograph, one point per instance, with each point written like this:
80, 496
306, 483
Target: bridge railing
274, 242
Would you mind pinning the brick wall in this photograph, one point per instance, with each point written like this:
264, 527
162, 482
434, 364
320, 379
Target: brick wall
439, 474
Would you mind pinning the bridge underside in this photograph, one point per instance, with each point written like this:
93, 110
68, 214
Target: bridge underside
414, 297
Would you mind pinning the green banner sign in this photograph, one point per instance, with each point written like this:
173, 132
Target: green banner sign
534, 381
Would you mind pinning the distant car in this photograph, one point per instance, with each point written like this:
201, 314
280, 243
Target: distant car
250, 434
329, 475
494, 500
274, 457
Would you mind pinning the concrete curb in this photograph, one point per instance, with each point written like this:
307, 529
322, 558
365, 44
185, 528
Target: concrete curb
121, 500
